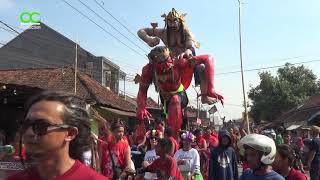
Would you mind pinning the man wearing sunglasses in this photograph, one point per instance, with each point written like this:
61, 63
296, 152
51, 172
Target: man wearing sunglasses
56, 131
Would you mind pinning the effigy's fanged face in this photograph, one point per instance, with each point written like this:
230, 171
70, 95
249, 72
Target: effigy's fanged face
173, 24
162, 57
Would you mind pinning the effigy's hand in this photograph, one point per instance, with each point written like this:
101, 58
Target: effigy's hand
192, 61
143, 114
187, 54
137, 79
153, 41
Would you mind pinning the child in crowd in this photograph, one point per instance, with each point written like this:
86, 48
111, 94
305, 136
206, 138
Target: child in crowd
188, 158
152, 137
165, 166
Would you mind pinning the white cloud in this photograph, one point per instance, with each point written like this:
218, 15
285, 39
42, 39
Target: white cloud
6, 4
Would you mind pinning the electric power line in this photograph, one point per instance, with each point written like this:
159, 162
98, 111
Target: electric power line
114, 28
39, 37
36, 61
44, 39
130, 77
270, 67
121, 23
226, 73
9, 27
8, 30
277, 60
103, 29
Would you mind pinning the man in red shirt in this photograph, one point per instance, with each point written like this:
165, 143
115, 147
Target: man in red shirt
283, 163
165, 166
56, 131
212, 141
116, 153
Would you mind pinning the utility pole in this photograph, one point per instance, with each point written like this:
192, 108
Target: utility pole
242, 77
76, 68
118, 82
198, 104
124, 87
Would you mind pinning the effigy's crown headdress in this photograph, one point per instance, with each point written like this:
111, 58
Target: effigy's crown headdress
173, 14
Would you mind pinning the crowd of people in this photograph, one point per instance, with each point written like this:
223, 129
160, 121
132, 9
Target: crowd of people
55, 142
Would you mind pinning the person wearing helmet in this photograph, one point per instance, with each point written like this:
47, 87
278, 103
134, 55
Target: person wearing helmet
260, 152
284, 163
188, 158
152, 140
223, 161
314, 154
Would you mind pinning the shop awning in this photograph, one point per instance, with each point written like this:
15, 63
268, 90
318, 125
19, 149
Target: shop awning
293, 127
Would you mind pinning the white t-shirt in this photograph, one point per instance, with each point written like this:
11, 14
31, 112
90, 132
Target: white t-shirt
150, 156
87, 157
192, 159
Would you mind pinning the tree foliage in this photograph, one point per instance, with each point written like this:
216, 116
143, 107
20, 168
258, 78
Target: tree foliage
277, 94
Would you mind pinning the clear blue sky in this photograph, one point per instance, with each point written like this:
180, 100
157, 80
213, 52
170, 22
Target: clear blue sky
273, 31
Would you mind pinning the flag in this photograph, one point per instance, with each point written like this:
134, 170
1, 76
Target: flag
213, 109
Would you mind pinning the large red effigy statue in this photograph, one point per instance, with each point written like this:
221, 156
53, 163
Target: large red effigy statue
171, 68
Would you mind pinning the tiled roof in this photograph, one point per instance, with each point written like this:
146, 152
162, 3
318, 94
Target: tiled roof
303, 112
63, 79
150, 102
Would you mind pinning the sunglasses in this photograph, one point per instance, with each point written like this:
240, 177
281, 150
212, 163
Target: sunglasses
151, 138
41, 127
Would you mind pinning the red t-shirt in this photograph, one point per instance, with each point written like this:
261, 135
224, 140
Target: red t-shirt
78, 171
118, 151
167, 168
125, 138
200, 142
212, 141
296, 175
174, 142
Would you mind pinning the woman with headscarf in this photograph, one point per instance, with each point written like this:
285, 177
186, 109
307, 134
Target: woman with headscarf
223, 161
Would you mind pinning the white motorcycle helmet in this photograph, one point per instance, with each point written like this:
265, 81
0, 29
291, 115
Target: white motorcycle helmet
260, 143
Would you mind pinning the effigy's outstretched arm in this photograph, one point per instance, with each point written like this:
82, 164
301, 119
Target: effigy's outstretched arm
145, 81
151, 36
142, 112
208, 62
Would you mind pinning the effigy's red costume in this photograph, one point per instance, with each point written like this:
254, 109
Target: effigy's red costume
172, 78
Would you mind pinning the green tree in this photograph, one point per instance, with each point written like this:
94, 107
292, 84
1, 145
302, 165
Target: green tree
277, 94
